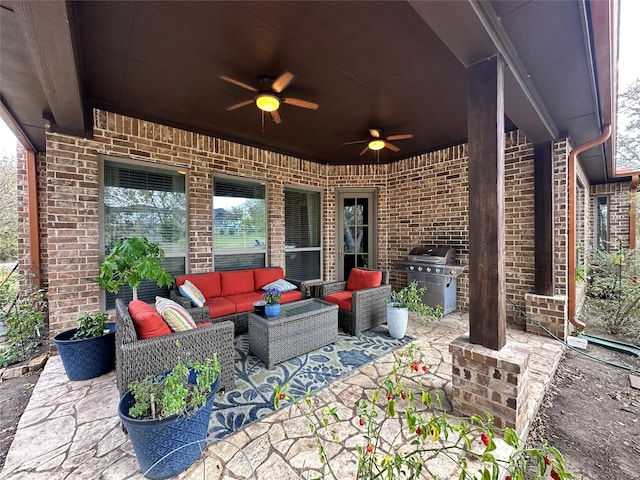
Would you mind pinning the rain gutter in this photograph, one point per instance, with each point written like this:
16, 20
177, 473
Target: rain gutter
571, 240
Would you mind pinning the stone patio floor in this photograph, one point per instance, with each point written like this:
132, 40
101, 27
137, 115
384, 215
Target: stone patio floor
71, 430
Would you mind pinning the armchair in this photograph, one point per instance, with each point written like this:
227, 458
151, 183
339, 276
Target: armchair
359, 308
135, 359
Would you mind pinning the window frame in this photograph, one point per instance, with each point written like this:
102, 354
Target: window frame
320, 248
264, 249
175, 168
597, 239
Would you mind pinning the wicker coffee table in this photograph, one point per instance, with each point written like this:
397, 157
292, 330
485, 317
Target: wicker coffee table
301, 327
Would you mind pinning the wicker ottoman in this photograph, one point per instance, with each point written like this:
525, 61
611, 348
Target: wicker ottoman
300, 328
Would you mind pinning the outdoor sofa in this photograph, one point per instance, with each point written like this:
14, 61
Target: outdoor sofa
361, 299
136, 358
230, 295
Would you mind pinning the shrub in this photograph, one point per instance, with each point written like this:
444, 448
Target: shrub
25, 322
426, 434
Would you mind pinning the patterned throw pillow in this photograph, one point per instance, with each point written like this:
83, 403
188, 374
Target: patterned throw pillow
281, 285
189, 290
175, 315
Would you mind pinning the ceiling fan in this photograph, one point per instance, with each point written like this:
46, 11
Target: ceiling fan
268, 98
377, 142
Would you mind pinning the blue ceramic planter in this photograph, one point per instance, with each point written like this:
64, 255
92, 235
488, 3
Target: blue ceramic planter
87, 357
272, 309
166, 447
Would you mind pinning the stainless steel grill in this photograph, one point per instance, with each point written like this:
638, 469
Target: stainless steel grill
435, 269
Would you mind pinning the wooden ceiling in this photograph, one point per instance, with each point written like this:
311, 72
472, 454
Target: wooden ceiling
399, 66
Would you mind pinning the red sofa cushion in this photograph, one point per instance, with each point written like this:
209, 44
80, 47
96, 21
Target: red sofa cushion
244, 301
262, 276
292, 296
342, 299
219, 307
361, 279
147, 321
207, 283
236, 281
203, 324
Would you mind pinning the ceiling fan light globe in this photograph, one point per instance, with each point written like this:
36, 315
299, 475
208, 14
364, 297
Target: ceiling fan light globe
376, 144
267, 102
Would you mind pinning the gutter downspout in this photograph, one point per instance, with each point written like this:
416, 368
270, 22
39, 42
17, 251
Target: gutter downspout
571, 240
632, 211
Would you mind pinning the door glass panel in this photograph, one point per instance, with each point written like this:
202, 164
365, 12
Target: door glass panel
355, 226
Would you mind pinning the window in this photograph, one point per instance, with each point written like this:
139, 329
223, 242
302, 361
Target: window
602, 223
239, 223
303, 237
145, 201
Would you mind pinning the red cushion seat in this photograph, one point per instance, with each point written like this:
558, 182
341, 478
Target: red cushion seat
219, 307
342, 299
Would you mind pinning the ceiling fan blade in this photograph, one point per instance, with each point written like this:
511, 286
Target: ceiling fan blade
239, 105
353, 143
275, 116
391, 147
403, 136
300, 103
282, 82
375, 132
364, 150
239, 83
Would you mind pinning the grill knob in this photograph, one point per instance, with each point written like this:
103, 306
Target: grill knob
419, 269
428, 269
410, 267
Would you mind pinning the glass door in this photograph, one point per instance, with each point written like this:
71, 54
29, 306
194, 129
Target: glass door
356, 233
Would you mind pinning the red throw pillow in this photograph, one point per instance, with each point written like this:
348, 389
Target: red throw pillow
361, 279
147, 321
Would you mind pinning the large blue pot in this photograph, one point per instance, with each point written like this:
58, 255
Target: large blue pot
87, 357
272, 309
166, 447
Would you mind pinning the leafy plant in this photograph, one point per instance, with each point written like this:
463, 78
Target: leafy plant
160, 396
131, 261
272, 295
411, 297
90, 326
614, 291
25, 322
401, 400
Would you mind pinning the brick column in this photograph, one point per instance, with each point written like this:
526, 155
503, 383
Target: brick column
550, 312
493, 381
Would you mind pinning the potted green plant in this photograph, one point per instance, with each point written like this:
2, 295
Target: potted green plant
87, 351
401, 302
131, 261
167, 416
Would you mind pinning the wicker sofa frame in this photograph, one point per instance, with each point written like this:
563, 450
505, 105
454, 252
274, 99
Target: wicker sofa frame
368, 306
136, 359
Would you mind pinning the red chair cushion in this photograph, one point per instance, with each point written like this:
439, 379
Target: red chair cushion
262, 276
236, 281
203, 324
207, 283
219, 307
147, 321
361, 279
342, 299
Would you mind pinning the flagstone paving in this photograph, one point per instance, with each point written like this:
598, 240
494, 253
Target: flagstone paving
71, 429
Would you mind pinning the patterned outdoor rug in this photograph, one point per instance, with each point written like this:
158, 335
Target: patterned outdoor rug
253, 397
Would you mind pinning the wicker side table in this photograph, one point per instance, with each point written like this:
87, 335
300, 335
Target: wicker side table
300, 328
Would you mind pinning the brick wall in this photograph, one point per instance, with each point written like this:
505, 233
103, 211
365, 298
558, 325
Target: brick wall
421, 200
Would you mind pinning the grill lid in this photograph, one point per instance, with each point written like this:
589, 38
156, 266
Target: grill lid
433, 254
